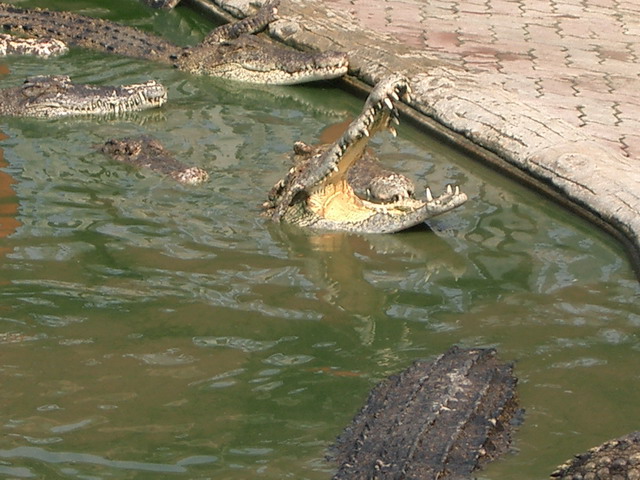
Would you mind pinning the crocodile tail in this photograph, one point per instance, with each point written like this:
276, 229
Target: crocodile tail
86, 32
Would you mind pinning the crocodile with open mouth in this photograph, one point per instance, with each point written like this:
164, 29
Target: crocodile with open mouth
57, 96
229, 51
321, 189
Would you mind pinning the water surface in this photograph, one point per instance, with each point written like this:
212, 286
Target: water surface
148, 328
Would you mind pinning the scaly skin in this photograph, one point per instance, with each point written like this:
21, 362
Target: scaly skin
56, 96
367, 177
39, 47
149, 153
228, 52
615, 459
436, 420
161, 3
316, 193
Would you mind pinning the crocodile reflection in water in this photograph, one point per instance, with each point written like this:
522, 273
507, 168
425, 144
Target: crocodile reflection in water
229, 51
9, 222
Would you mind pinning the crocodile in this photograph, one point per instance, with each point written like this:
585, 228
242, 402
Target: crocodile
446, 418
57, 96
318, 191
146, 151
229, 51
161, 3
40, 47
617, 459
441, 419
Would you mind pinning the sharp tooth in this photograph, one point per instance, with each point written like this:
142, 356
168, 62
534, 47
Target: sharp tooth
457, 190
335, 168
429, 195
407, 96
395, 120
388, 103
393, 131
365, 131
395, 96
449, 189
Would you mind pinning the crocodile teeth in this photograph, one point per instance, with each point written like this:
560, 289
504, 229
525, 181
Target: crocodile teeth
393, 131
388, 103
395, 120
457, 190
429, 195
365, 131
395, 96
449, 189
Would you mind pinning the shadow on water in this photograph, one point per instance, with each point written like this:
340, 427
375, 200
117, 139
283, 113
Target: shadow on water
151, 328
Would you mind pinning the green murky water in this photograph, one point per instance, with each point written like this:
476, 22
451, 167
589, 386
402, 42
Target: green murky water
149, 329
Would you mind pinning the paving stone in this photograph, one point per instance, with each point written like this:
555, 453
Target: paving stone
550, 85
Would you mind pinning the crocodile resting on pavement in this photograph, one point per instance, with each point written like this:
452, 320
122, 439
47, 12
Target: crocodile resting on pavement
148, 152
228, 51
323, 191
57, 96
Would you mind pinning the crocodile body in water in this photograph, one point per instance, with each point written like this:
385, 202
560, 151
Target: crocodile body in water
161, 3
57, 96
228, 51
318, 192
444, 419
149, 153
617, 459
440, 419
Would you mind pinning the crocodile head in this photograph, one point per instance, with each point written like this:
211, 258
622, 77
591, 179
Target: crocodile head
57, 96
317, 192
246, 59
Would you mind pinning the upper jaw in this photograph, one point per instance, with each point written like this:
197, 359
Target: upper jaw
379, 113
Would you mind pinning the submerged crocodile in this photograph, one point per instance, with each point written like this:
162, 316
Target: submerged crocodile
161, 3
57, 96
444, 419
148, 152
440, 419
228, 51
323, 191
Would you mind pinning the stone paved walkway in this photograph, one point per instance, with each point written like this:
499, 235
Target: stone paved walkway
578, 58
551, 87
